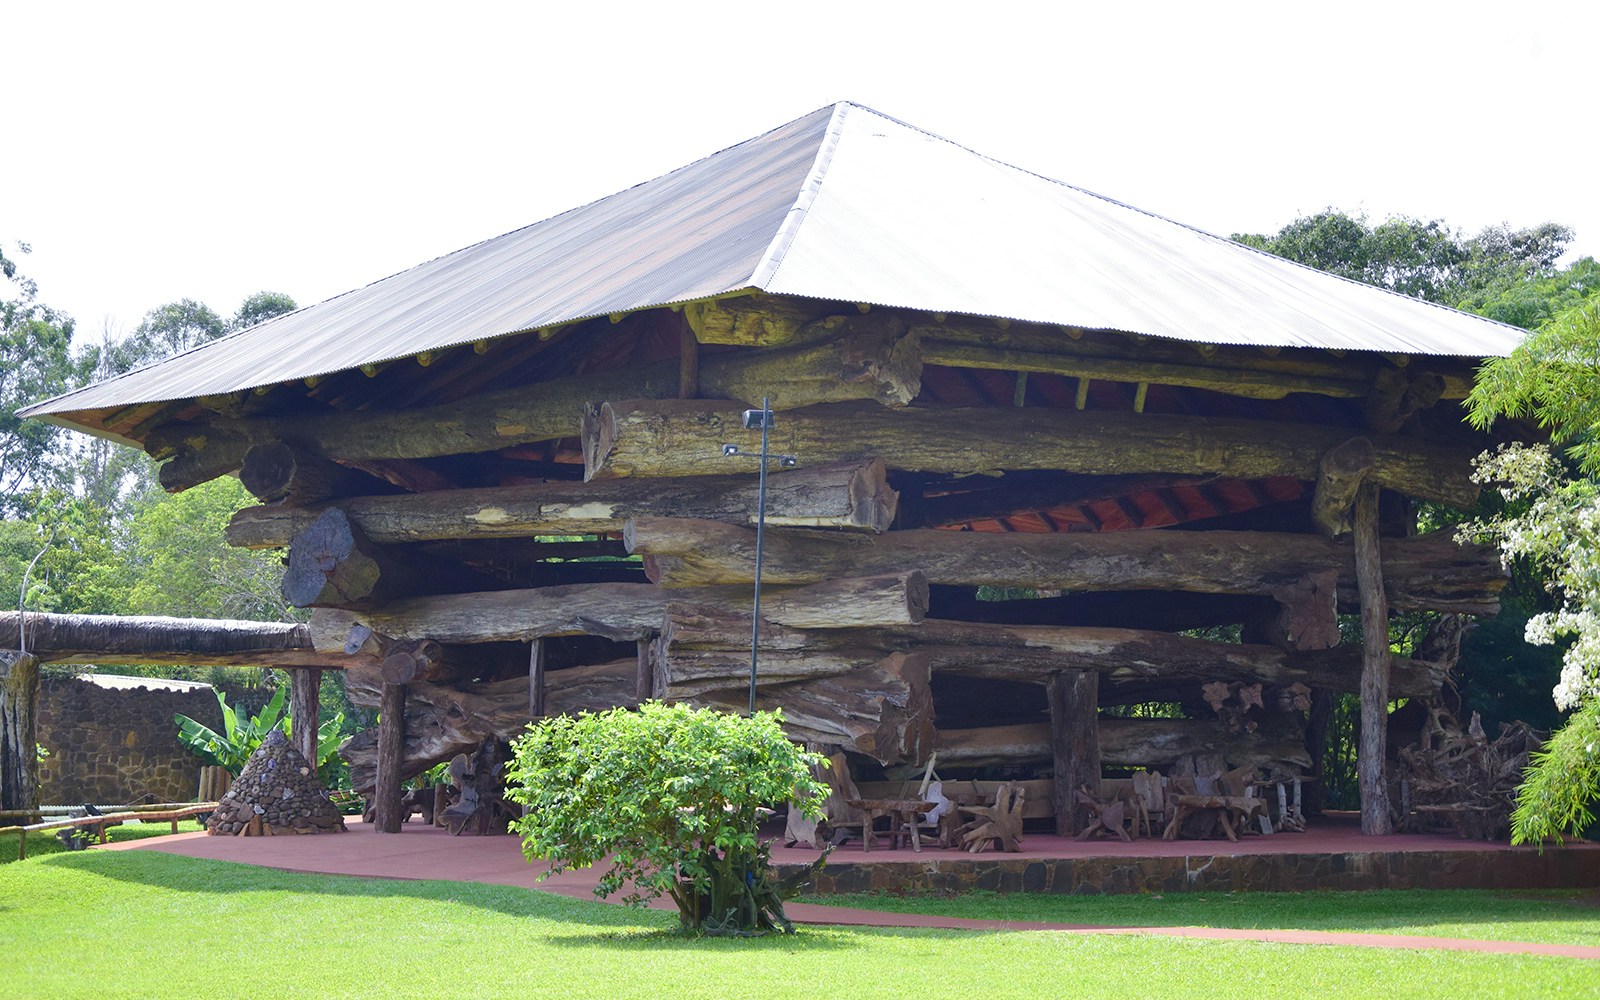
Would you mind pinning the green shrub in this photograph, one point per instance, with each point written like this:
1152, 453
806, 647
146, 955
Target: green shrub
674, 796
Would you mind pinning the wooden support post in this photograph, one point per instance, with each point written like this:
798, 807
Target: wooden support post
536, 678
1075, 738
391, 742
688, 364
1370, 769
305, 685
643, 678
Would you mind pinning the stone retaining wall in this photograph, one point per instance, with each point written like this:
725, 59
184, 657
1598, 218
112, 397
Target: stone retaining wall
111, 745
1468, 868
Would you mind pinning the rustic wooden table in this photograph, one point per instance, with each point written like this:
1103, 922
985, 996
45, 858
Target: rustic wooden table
903, 816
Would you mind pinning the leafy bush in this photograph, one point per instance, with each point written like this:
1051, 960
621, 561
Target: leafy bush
673, 795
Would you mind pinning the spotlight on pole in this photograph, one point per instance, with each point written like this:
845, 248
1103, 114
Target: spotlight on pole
758, 420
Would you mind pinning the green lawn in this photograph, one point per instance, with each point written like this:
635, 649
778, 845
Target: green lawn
144, 924
1570, 916
45, 842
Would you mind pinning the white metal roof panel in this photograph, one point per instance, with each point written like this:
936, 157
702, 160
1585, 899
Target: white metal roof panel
842, 204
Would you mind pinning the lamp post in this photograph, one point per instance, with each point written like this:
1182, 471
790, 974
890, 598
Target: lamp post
754, 419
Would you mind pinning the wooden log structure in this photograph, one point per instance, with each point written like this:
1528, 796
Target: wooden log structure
988, 539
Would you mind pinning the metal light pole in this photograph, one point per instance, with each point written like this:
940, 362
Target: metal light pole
753, 419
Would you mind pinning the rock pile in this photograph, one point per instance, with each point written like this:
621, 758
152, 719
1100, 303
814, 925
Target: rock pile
278, 792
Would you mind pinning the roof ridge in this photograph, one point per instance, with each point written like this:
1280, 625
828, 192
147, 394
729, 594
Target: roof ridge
784, 238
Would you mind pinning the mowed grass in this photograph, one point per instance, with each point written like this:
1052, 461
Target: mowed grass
1570, 916
45, 842
145, 924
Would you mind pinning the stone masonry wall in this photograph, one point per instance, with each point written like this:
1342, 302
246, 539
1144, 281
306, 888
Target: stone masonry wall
109, 746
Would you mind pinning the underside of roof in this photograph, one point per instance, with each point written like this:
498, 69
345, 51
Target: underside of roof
844, 204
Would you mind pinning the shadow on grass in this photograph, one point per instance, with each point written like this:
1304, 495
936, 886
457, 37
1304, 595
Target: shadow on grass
609, 923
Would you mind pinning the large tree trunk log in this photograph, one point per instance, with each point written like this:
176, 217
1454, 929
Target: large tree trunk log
332, 564
98, 639
685, 438
391, 743
621, 611
877, 364
848, 495
883, 710
1075, 741
1429, 572
442, 721
274, 472
1371, 754
1130, 743
305, 688
1342, 472
703, 648
19, 703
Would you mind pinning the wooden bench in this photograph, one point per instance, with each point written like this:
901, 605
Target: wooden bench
100, 823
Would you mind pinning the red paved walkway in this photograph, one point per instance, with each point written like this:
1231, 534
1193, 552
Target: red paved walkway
428, 852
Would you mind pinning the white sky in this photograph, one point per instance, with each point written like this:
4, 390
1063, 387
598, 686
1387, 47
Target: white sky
162, 151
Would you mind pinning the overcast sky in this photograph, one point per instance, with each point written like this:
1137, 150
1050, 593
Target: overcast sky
161, 151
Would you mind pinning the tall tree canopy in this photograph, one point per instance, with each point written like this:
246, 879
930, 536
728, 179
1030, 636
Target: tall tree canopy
1425, 259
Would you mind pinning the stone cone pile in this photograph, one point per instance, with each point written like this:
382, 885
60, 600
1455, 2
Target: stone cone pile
278, 792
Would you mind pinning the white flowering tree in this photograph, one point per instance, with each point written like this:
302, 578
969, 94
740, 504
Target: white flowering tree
1552, 522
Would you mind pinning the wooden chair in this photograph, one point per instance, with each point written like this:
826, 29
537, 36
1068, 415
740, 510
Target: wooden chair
1000, 823
1150, 788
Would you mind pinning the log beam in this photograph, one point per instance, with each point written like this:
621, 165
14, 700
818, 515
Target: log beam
704, 648
621, 611
96, 639
275, 472
853, 494
1131, 743
332, 564
648, 438
1428, 572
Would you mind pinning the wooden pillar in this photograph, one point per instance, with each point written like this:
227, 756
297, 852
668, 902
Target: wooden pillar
643, 677
1075, 737
391, 742
536, 679
305, 686
688, 364
1370, 755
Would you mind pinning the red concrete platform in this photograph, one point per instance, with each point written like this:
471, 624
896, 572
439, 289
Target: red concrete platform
425, 852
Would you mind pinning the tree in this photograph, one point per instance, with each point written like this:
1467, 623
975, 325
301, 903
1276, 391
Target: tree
1425, 259
672, 795
1553, 522
35, 362
259, 308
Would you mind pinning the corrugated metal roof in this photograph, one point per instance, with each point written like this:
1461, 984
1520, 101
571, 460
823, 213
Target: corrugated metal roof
844, 204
